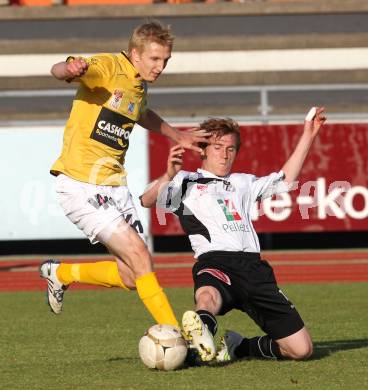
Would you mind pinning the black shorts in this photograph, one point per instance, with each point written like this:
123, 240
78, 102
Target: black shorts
248, 283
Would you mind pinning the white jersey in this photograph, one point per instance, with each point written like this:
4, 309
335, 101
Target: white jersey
215, 211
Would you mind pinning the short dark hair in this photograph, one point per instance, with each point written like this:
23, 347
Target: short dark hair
219, 127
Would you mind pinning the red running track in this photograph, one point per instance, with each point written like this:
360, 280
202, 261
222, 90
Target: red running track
174, 270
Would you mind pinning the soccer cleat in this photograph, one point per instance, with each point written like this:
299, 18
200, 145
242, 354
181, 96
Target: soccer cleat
55, 289
198, 335
229, 342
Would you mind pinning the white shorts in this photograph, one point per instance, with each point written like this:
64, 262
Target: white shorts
96, 209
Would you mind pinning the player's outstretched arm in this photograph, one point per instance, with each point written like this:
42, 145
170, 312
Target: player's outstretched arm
69, 70
312, 125
174, 164
187, 139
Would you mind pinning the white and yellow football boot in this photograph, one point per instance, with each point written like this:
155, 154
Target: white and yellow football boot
229, 342
198, 335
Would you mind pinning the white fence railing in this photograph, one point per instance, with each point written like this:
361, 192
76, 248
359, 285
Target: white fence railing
266, 108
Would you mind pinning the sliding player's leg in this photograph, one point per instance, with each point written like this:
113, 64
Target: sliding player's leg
285, 333
200, 326
297, 346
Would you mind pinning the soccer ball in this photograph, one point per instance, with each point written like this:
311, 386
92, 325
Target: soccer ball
163, 347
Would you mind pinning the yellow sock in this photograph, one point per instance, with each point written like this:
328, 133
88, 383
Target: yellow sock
155, 299
101, 273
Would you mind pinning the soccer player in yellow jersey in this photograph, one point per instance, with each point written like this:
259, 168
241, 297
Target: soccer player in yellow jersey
90, 175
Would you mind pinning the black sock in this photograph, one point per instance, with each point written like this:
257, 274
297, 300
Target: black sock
209, 320
259, 347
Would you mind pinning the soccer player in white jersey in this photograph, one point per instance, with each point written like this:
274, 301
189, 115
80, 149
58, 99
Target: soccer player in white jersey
213, 206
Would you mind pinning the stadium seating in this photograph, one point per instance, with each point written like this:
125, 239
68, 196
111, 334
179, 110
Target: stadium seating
32, 2
92, 2
103, 2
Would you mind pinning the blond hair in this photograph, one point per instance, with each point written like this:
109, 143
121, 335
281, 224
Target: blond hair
220, 127
151, 31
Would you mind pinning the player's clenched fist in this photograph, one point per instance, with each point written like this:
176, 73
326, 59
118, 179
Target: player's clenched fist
70, 69
76, 67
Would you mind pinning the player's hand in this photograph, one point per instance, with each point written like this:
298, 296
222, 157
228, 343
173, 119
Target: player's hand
314, 120
76, 68
175, 160
189, 139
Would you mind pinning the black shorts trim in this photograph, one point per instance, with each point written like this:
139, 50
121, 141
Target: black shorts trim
285, 327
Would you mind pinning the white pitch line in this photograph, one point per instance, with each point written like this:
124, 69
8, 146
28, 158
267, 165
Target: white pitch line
214, 61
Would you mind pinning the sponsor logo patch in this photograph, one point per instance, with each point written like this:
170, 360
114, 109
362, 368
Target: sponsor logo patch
217, 274
112, 129
202, 187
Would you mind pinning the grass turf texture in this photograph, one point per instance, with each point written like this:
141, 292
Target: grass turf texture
94, 343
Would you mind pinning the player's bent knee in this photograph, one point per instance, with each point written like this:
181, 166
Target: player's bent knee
204, 298
301, 351
297, 346
308, 351
208, 298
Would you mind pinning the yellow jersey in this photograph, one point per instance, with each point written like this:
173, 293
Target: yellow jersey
109, 101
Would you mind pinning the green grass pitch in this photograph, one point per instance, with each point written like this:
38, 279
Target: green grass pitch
93, 344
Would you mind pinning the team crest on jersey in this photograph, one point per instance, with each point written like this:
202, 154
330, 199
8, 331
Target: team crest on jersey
229, 210
217, 274
116, 99
131, 107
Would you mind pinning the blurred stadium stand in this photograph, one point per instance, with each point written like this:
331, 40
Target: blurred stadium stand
306, 4
106, 2
214, 26
221, 26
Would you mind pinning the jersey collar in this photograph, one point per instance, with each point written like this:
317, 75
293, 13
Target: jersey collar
132, 72
205, 173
